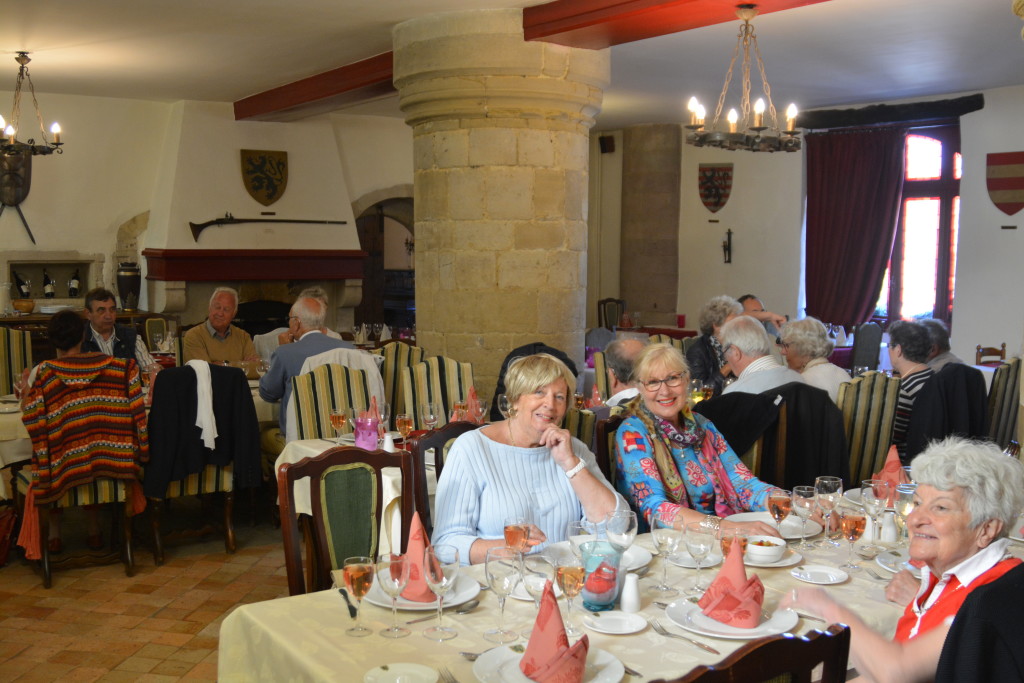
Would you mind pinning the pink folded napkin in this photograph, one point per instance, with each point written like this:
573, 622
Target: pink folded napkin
548, 657
732, 598
471, 399
595, 398
892, 472
417, 589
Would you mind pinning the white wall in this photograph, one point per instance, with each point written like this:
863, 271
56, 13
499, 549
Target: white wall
375, 152
604, 224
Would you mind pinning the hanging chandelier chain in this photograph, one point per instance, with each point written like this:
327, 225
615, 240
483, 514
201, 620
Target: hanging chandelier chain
35, 103
728, 79
764, 84
745, 116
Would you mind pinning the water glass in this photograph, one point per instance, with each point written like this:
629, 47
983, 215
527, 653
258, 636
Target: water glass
829, 491
537, 571
805, 499
503, 568
905, 504
699, 543
393, 577
503, 405
440, 570
666, 542
578, 533
620, 528
874, 496
429, 413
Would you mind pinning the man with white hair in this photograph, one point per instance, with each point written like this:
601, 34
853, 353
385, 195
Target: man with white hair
217, 340
618, 357
748, 349
305, 320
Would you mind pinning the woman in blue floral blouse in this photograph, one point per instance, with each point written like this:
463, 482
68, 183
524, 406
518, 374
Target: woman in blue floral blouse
674, 464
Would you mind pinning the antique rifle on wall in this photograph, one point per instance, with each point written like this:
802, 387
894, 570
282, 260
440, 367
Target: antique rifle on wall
228, 219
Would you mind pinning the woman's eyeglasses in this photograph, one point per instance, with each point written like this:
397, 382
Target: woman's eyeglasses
671, 381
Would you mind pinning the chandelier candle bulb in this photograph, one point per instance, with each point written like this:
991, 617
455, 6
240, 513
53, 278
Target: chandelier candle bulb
9, 134
55, 130
791, 117
700, 114
691, 106
759, 113
732, 118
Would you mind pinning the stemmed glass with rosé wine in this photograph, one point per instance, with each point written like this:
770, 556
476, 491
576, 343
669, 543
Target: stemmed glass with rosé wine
570, 579
517, 533
403, 423
358, 573
852, 523
339, 418
780, 503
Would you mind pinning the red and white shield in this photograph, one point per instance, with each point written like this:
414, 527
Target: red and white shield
1004, 175
714, 181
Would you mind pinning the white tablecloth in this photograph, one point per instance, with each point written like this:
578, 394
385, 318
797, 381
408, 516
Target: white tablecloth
302, 637
14, 447
391, 522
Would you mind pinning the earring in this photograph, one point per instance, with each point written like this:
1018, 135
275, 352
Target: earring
512, 412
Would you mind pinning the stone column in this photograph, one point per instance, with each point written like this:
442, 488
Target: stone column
500, 131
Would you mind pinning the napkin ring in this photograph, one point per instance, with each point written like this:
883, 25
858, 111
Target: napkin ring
711, 523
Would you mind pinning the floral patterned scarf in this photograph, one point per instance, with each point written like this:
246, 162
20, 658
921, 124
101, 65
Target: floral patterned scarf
664, 435
719, 351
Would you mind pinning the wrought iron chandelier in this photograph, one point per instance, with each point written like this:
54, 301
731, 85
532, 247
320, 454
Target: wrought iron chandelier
9, 143
746, 129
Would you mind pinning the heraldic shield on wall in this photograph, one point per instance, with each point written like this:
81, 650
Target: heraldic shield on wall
715, 184
1004, 175
264, 174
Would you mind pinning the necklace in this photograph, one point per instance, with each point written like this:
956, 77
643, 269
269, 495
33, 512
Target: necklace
510, 436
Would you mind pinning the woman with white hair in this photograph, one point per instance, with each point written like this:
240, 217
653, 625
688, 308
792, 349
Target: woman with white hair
805, 346
705, 358
968, 496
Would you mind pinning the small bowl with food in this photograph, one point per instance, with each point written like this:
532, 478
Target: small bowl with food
765, 549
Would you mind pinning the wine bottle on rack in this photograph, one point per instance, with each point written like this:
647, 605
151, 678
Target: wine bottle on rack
74, 285
24, 288
49, 286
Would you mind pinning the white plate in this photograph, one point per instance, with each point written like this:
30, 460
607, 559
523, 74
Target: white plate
10, 407
401, 672
853, 496
788, 559
615, 622
519, 592
684, 559
254, 384
465, 589
634, 558
790, 525
895, 560
820, 574
687, 615
501, 665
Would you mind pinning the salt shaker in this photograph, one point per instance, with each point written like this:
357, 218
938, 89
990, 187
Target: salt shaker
630, 600
389, 443
889, 534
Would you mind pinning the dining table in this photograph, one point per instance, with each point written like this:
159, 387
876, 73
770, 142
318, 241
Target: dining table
303, 637
15, 445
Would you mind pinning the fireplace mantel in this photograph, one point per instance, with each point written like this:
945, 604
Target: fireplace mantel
210, 265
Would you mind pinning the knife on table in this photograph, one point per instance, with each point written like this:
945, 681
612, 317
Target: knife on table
351, 607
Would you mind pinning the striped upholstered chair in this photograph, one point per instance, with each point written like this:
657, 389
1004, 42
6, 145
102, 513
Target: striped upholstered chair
665, 339
397, 355
436, 380
601, 374
868, 403
315, 394
1003, 402
581, 424
15, 356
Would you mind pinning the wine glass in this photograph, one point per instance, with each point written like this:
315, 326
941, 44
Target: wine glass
620, 527
503, 568
666, 542
157, 342
905, 504
403, 423
503, 405
262, 367
579, 400
517, 533
460, 408
829, 491
780, 503
384, 408
852, 523
696, 391
726, 537
805, 499
699, 542
874, 495
440, 569
358, 573
392, 577
428, 414
537, 571
339, 417
578, 533
570, 580
478, 410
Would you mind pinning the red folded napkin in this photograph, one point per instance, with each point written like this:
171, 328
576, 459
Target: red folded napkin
595, 398
892, 472
471, 399
548, 657
732, 598
417, 589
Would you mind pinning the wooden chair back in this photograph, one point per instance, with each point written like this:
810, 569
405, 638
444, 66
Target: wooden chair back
609, 312
580, 424
397, 354
438, 440
665, 339
995, 354
328, 387
438, 380
867, 341
784, 656
606, 431
155, 326
1003, 402
868, 403
345, 487
15, 356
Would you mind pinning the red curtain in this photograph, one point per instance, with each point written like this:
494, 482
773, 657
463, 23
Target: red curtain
854, 186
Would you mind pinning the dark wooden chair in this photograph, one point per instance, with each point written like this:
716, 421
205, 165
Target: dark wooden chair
609, 312
867, 340
440, 441
785, 657
995, 354
1003, 401
345, 485
605, 442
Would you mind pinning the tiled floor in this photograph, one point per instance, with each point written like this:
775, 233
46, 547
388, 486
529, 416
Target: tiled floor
96, 624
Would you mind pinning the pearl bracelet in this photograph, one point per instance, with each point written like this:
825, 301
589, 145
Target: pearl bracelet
575, 470
711, 523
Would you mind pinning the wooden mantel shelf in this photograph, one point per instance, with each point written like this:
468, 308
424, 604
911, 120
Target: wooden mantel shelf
199, 265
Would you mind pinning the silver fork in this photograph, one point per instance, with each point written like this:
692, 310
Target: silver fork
873, 574
446, 675
661, 629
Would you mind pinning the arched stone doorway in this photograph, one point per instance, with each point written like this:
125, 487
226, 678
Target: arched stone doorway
385, 229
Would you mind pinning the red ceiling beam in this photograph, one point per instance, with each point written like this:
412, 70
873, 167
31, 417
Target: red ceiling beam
597, 24
593, 24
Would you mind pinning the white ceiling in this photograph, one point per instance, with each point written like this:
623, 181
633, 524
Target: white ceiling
829, 54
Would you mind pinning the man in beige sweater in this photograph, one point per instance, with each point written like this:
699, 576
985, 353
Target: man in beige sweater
217, 340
